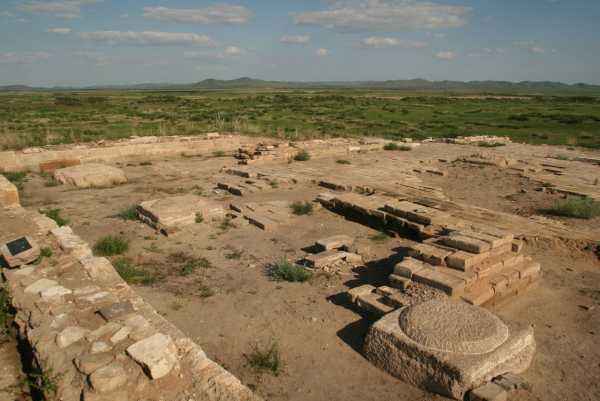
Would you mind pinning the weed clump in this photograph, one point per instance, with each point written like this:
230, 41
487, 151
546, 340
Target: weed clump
54, 214
342, 161
132, 274
379, 237
111, 245
17, 178
265, 360
129, 214
302, 156
284, 270
301, 208
395, 146
579, 208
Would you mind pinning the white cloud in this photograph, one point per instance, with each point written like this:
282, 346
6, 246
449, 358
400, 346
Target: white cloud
531, 46
67, 9
295, 39
60, 31
447, 55
150, 38
219, 13
233, 51
382, 42
386, 15
227, 53
322, 52
98, 59
23, 58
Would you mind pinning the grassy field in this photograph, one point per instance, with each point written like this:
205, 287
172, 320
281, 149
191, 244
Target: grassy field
41, 118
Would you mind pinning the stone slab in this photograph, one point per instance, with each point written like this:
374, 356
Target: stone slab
450, 284
156, 354
430, 254
335, 242
9, 195
91, 175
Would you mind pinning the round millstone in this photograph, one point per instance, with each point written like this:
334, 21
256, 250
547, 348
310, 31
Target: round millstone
454, 327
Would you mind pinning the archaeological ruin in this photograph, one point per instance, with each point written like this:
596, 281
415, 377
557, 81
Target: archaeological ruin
438, 280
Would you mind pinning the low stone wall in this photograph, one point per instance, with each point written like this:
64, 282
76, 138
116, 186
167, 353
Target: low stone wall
92, 336
37, 159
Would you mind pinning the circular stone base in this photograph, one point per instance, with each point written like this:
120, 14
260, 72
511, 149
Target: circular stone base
454, 327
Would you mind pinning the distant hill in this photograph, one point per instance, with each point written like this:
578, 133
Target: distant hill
526, 87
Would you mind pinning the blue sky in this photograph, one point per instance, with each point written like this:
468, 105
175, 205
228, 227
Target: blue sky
86, 42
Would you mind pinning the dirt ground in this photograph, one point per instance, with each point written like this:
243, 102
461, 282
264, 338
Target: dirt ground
232, 305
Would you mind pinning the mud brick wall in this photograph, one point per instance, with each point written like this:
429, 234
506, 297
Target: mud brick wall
93, 337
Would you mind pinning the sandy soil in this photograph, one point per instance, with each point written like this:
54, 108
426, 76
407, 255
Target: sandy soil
318, 335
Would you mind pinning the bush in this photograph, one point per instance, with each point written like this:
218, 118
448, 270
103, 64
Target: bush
343, 162
129, 214
395, 146
379, 237
301, 208
285, 270
267, 360
132, 274
54, 214
219, 153
302, 156
18, 178
579, 208
111, 245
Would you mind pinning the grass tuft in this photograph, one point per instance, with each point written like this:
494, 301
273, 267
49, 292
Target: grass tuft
17, 178
379, 237
111, 245
343, 161
54, 214
395, 146
4, 311
132, 274
302, 156
130, 213
284, 270
579, 208
301, 208
265, 360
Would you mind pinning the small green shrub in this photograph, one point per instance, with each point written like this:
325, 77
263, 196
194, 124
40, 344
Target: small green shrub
129, 214
42, 382
4, 310
342, 161
219, 153
285, 270
111, 245
132, 274
199, 218
301, 208
234, 255
17, 178
226, 224
205, 292
265, 360
395, 146
302, 156
54, 214
575, 207
379, 237
46, 252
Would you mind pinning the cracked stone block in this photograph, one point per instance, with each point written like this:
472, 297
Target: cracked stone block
54, 292
9, 195
354, 293
108, 328
91, 175
116, 310
156, 354
100, 346
92, 298
448, 347
101, 270
70, 335
109, 378
488, 392
90, 363
40, 285
120, 335
343, 242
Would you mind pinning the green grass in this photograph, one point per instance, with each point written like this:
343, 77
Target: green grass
54, 214
205, 291
265, 359
219, 153
39, 119
111, 245
192, 265
129, 214
132, 274
575, 207
301, 208
4, 311
379, 237
302, 156
284, 270
42, 383
199, 218
17, 178
396, 147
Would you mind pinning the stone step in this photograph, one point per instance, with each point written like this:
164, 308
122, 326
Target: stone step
372, 303
429, 253
414, 212
325, 258
464, 243
335, 242
437, 278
